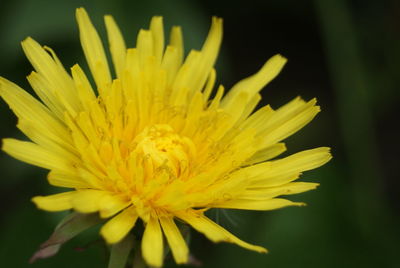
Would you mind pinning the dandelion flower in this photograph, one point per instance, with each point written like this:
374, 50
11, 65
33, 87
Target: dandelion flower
149, 143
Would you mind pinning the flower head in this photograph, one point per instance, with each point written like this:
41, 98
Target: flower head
150, 143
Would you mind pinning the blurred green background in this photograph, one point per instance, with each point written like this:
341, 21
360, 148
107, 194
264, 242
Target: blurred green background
345, 53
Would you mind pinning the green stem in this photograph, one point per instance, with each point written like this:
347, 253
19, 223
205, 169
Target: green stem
138, 261
120, 252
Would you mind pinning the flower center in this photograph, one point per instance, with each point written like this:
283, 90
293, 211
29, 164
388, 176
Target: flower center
166, 149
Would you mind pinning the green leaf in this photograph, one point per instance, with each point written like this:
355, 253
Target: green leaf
70, 226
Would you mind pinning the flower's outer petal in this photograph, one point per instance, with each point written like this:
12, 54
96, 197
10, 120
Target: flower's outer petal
35, 155
284, 170
249, 107
253, 84
197, 67
144, 45
112, 204
157, 30
176, 41
249, 204
82, 84
152, 243
213, 231
47, 140
271, 192
55, 202
288, 120
87, 200
117, 45
266, 153
281, 171
61, 179
119, 226
94, 51
28, 108
47, 94
175, 240
170, 63
59, 83
208, 89
209, 53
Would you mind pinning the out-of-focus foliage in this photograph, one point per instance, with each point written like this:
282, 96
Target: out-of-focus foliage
345, 53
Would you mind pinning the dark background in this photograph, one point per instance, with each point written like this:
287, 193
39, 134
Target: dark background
345, 53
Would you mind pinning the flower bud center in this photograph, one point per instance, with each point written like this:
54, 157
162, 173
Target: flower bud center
165, 148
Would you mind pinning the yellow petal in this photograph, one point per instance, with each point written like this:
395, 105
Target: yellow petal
256, 82
117, 45
112, 204
94, 51
213, 231
82, 84
119, 226
48, 140
259, 119
209, 54
27, 107
157, 29
278, 172
36, 155
144, 45
54, 73
270, 204
296, 163
152, 243
176, 41
210, 84
286, 122
46, 93
266, 153
67, 180
270, 192
55, 202
175, 240
87, 201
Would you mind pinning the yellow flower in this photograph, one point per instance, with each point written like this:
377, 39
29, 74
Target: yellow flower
150, 143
